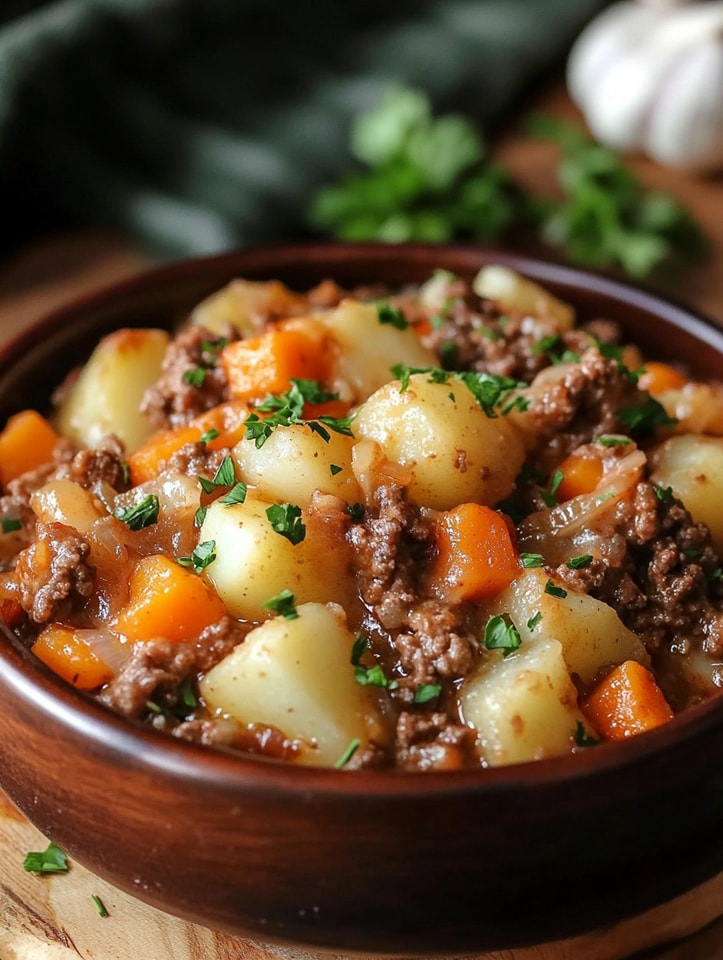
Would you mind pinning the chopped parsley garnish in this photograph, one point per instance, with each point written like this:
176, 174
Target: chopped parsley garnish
99, 905
583, 738
348, 753
355, 511
52, 860
532, 560
195, 377
611, 351
237, 494
285, 519
664, 494
501, 634
142, 515
200, 516
644, 419
534, 620
283, 605
125, 468
288, 408
549, 497
437, 322
10, 524
554, 591
334, 469
393, 316
577, 563
427, 692
212, 348
490, 391
614, 441
225, 476
210, 435
202, 556
373, 676
693, 554
186, 693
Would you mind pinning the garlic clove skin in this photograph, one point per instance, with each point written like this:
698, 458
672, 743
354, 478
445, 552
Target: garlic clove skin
650, 78
685, 126
612, 34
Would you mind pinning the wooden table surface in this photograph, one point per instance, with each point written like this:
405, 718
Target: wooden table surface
54, 918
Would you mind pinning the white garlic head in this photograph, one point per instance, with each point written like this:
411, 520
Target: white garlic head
649, 77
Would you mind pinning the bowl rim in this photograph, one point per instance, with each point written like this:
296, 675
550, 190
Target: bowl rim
156, 750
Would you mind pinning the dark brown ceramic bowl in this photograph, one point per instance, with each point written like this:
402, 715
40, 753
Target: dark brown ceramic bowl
370, 862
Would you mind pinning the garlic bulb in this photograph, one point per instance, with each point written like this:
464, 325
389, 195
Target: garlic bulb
649, 77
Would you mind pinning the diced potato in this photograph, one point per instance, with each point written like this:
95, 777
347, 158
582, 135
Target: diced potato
295, 461
455, 452
523, 707
63, 501
106, 396
590, 632
244, 305
369, 349
698, 408
693, 466
513, 292
255, 563
296, 675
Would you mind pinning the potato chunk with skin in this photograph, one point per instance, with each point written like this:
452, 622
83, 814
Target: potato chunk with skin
106, 396
244, 305
455, 452
295, 461
296, 675
591, 634
369, 349
523, 707
693, 466
255, 563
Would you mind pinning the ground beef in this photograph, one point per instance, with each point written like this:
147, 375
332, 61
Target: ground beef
53, 573
172, 401
426, 633
104, 464
433, 741
581, 404
156, 668
666, 589
197, 460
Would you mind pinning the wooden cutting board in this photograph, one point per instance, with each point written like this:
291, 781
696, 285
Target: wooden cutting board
54, 917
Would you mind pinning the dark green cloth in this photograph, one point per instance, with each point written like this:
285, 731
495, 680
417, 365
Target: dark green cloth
198, 125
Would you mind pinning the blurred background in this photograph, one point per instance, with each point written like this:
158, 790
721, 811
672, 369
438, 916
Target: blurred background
138, 130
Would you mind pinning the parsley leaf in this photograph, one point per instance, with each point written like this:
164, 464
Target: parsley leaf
583, 738
614, 441
283, 604
285, 519
202, 556
554, 591
368, 676
644, 419
52, 860
334, 468
532, 560
195, 377
348, 753
10, 524
427, 692
387, 314
664, 494
577, 563
210, 435
144, 514
237, 494
99, 905
534, 620
225, 476
501, 634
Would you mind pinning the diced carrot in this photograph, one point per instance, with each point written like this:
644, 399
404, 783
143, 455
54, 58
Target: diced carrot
579, 475
71, 657
146, 461
11, 611
26, 443
266, 364
476, 556
228, 418
167, 601
658, 377
626, 702
330, 408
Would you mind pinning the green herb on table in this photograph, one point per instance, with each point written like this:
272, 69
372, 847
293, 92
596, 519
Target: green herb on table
52, 860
